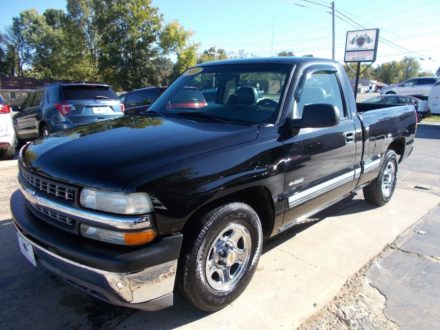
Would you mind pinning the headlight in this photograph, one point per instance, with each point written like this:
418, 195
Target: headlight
118, 237
116, 202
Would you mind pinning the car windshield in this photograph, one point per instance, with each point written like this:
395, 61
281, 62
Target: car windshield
235, 93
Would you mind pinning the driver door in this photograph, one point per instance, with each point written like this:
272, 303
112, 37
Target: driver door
320, 166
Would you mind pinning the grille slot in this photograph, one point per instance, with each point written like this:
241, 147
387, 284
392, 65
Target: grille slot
48, 187
55, 215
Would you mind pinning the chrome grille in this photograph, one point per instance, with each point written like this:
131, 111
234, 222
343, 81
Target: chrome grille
48, 187
55, 215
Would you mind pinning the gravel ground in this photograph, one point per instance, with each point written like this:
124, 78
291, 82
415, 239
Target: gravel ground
357, 306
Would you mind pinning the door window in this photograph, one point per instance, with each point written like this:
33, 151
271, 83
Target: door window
409, 83
37, 99
320, 87
145, 97
426, 81
27, 103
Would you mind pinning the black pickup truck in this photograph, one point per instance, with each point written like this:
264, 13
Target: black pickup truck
182, 196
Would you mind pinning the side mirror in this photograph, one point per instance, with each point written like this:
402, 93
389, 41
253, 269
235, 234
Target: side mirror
317, 115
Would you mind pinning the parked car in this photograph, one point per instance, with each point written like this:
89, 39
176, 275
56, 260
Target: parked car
57, 107
418, 87
434, 99
140, 99
391, 99
7, 134
183, 196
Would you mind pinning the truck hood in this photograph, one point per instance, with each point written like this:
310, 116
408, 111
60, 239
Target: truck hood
114, 153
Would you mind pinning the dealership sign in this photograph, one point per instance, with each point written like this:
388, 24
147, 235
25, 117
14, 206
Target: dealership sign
361, 45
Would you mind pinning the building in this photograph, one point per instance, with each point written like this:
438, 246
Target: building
15, 89
368, 86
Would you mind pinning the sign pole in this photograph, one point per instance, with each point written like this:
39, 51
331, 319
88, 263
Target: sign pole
358, 70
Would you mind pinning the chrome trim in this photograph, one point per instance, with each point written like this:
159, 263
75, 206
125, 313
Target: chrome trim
139, 222
148, 284
303, 196
305, 218
357, 173
371, 166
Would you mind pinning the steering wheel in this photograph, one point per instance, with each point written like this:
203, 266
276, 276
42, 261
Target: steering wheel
267, 103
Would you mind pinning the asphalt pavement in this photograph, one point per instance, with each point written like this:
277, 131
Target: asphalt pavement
409, 275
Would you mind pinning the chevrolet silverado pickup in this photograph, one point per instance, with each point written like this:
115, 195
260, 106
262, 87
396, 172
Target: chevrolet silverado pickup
180, 198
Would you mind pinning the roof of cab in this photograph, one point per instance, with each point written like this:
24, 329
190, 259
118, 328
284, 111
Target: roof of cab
269, 60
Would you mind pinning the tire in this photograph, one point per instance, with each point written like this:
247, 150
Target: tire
381, 189
7, 154
220, 257
390, 93
44, 130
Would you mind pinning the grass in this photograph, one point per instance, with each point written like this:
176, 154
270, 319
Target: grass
432, 119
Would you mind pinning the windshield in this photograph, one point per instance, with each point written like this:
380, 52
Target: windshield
236, 93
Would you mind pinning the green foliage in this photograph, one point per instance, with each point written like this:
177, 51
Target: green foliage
129, 32
286, 53
176, 40
366, 73
212, 54
389, 72
397, 71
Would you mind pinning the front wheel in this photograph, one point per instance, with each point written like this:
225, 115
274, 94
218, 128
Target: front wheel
220, 258
381, 189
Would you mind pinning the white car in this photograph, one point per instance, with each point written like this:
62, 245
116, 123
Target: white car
434, 99
420, 87
7, 133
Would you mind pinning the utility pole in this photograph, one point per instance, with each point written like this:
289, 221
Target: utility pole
330, 6
333, 30
273, 32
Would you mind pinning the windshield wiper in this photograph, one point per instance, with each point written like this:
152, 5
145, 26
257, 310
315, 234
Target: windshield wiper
204, 116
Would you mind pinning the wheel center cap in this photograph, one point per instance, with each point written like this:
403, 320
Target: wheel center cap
230, 258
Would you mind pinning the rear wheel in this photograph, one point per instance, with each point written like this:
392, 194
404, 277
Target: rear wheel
220, 258
380, 190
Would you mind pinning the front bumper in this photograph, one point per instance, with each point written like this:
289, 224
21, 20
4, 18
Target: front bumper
141, 278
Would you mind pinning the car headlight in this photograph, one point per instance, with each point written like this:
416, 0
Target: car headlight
116, 202
118, 237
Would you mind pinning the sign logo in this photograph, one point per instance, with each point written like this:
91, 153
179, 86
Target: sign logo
361, 45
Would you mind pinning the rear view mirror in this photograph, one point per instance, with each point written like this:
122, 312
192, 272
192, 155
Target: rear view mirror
318, 115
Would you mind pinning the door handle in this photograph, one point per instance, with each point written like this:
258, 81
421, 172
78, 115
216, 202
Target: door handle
349, 137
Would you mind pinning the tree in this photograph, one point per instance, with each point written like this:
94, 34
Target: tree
175, 39
410, 67
396, 71
286, 53
366, 73
83, 19
129, 31
212, 54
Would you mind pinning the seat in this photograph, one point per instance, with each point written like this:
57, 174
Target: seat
246, 95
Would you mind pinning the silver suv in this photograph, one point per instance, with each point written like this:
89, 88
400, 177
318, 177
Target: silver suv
419, 87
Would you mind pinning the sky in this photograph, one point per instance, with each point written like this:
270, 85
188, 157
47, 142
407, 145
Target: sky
266, 27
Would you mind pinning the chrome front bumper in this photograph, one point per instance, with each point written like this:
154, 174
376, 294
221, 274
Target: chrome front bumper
150, 289
141, 277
